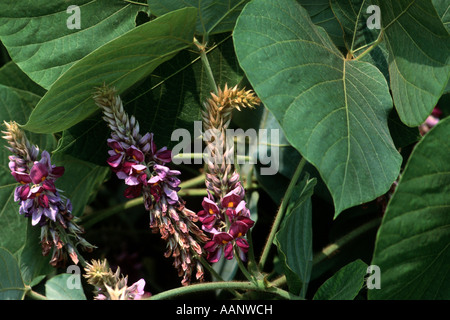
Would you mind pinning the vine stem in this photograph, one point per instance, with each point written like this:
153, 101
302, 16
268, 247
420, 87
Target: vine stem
34, 295
333, 248
372, 46
281, 212
206, 65
227, 285
208, 286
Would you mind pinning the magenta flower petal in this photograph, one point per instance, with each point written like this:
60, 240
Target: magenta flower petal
115, 160
21, 177
228, 251
231, 200
38, 173
210, 206
135, 153
57, 172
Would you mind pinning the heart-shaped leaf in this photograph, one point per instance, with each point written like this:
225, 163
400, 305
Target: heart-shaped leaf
332, 110
120, 63
213, 16
65, 287
40, 38
419, 63
412, 247
11, 284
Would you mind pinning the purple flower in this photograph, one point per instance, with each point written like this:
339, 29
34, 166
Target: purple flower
208, 216
136, 290
165, 181
41, 198
220, 243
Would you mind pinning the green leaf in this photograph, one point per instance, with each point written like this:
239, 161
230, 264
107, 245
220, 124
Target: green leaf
63, 287
176, 88
418, 46
443, 10
322, 15
344, 284
39, 41
11, 284
12, 76
121, 63
33, 265
332, 110
213, 16
294, 239
412, 247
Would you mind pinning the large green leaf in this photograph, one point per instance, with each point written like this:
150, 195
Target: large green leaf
322, 15
344, 284
12, 76
64, 287
39, 41
33, 265
176, 88
213, 16
121, 63
11, 284
332, 110
294, 239
419, 63
443, 10
413, 243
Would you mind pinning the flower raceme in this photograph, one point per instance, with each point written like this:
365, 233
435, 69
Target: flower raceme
136, 160
228, 223
225, 215
41, 201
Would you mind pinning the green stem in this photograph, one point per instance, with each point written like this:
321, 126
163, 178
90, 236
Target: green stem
216, 275
208, 286
280, 213
333, 248
205, 63
34, 295
373, 46
242, 267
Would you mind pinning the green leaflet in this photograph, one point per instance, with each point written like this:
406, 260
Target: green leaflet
344, 284
419, 63
213, 16
11, 284
64, 287
120, 63
294, 239
39, 41
412, 247
332, 110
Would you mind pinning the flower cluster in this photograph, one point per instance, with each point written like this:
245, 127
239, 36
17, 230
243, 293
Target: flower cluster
111, 285
41, 201
136, 160
228, 222
225, 215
